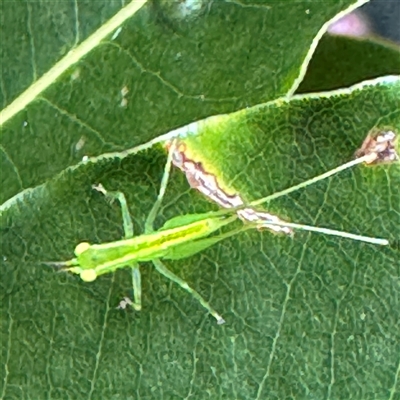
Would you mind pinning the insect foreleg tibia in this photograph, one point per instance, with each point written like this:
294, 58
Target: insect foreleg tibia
128, 233
137, 287
162, 269
126, 217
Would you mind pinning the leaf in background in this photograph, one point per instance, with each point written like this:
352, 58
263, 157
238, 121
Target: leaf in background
308, 317
35, 35
171, 64
341, 61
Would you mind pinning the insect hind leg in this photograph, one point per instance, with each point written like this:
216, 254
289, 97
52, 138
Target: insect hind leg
162, 269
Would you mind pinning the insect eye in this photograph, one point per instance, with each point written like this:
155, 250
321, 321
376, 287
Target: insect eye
88, 275
81, 247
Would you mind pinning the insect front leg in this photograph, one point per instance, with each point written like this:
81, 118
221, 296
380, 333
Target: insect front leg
137, 287
162, 269
128, 233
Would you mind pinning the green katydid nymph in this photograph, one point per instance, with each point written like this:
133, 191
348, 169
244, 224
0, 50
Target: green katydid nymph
180, 237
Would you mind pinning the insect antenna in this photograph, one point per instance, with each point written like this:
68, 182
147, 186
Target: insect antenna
61, 266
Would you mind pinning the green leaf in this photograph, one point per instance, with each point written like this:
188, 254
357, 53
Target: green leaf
172, 63
307, 317
341, 61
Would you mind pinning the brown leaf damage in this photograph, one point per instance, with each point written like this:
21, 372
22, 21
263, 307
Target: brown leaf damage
379, 145
207, 184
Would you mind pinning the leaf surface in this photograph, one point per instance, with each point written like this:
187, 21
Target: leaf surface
341, 61
307, 317
172, 63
